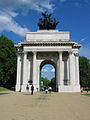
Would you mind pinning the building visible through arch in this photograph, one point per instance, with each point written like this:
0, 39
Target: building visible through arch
48, 46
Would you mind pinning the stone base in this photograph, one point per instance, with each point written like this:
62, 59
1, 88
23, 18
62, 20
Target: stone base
23, 88
18, 88
60, 88
70, 88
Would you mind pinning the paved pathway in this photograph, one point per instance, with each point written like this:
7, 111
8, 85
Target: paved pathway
41, 106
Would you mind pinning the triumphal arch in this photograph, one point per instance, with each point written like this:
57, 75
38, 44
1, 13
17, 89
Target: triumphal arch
48, 46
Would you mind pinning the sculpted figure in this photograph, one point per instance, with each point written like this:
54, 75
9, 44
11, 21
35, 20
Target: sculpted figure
47, 23
55, 23
40, 24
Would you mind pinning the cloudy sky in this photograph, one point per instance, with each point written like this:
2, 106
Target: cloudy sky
20, 16
48, 71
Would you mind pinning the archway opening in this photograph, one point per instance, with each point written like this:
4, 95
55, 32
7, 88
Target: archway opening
47, 75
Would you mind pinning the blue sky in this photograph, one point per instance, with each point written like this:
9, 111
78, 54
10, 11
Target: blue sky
20, 16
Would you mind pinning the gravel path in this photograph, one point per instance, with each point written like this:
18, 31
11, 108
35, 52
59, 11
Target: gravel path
41, 106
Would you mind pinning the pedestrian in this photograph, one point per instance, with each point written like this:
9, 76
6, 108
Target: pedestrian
87, 89
32, 89
81, 89
27, 88
46, 90
42, 88
50, 89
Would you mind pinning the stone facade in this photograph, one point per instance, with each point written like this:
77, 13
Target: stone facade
48, 47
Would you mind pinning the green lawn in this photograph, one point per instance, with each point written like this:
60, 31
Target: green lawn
3, 93
3, 89
88, 94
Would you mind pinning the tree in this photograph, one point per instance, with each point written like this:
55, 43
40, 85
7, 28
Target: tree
45, 81
7, 62
53, 82
84, 67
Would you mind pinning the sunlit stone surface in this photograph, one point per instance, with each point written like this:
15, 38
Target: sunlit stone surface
48, 47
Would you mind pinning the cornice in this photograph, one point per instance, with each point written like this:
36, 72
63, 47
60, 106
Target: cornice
49, 43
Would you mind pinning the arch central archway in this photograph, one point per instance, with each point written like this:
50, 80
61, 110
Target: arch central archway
51, 63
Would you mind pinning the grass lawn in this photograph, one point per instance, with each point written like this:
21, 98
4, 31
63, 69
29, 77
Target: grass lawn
3, 93
3, 89
88, 94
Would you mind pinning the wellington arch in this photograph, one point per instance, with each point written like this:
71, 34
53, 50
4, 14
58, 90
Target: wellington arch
48, 46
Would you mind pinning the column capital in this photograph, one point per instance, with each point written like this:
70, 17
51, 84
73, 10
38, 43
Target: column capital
60, 51
70, 52
76, 54
34, 52
24, 52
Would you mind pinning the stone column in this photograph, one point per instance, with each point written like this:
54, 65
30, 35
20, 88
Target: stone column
60, 72
34, 70
70, 68
77, 68
18, 72
24, 68
73, 62
57, 75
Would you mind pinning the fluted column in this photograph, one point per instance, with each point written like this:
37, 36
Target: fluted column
70, 68
24, 68
18, 69
60, 69
18, 72
73, 64
34, 68
57, 75
77, 68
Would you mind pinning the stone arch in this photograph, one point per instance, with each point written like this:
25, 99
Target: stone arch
51, 62
47, 61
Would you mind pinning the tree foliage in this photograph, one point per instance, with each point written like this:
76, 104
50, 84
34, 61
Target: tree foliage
53, 82
7, 62
84, 67
45, 81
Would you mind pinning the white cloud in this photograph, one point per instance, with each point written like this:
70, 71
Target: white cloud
7, 23
85, 51
8, 12
38, 5
44, 70
53, 70
83, 39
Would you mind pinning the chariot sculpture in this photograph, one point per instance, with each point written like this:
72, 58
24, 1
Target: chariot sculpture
47, 23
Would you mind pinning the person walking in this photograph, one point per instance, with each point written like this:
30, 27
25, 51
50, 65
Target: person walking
87, 89
50, 89
32, 89
46, 90
27, 88
81, 89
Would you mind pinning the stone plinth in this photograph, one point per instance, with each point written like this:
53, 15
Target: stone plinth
45, 35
